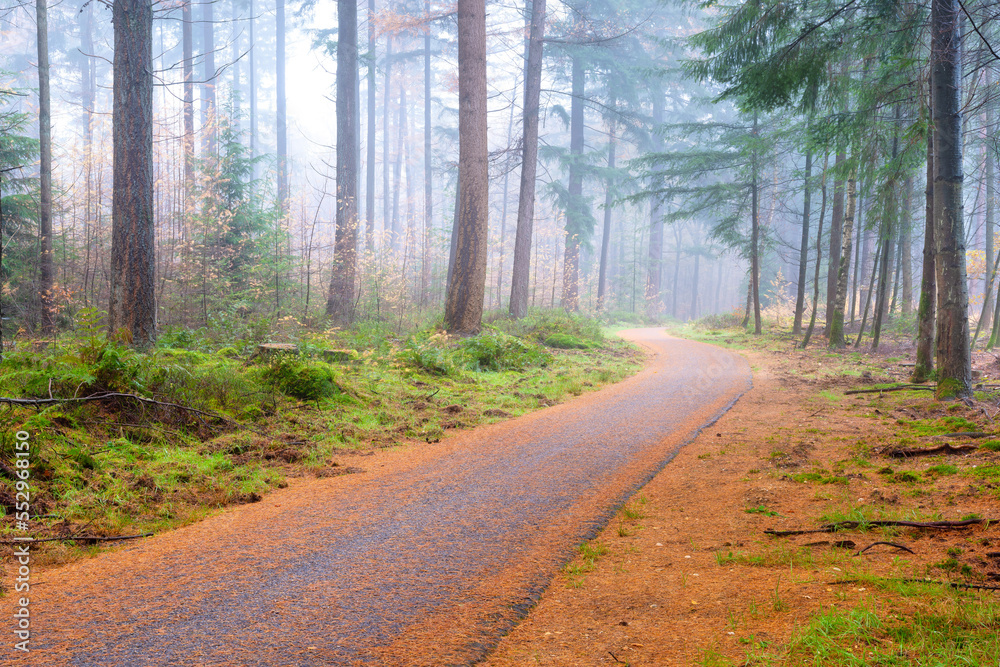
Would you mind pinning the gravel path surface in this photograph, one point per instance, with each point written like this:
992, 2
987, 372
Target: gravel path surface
425, 559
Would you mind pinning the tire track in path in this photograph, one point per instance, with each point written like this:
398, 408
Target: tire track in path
425, 560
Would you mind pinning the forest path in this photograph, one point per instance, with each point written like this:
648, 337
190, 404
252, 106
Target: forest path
426, 559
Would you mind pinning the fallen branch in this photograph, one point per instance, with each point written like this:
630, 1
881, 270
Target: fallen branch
84, 538
953, 584
901, 387
889, 544
971, 435
946, 448
850, 525
110, 394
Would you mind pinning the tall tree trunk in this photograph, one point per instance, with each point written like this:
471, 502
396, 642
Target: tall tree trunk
370, 129
340, 304
754, 237
397, 178
954, 361
425, 264
188, 48
529, 163
464, 308
608, 202
654, 274
819, 257
237, 93
503, 205
800, 297
282, 130
45, 273
906, 246
132, 305
836, 241
576, 211
990, 194
926, 316
252, 81
208, 103
859, 257
887, 231
694, 288
844, 272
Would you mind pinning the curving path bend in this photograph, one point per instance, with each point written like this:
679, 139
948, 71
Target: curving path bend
426, 561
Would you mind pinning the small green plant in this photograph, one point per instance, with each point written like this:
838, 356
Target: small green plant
306, 380
760, 509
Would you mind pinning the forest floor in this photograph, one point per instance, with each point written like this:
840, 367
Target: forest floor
685, 574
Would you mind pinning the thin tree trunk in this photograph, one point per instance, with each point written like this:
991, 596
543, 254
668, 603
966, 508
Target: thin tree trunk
858, 258
606, 235
529, 163
836, 242
990, 194
954, 361
132, 305
45, 286
906, 247
819, 258
800, 297
390, 241
576, 206
340, 304
188, 47
654, 274
252, 80
282, 129
754, 239
425, 265
208, 102
503, 205
924, 365
370, 129
843, 274
464, 308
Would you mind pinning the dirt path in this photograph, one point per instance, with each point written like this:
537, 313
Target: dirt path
424, 560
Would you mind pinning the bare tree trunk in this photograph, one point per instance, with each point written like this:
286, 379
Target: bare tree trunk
754, 239
529, 163
279, 23
819, 258
800, 297
924, 365
464, 308
608, 201
575, 213
133, 259
654, 274
188, 47
503, 205
370, 129
340, 304
836, 326
390, 241
906, 247
954, 361
990, 195
252, 81
208, 102
425, 264
45, 282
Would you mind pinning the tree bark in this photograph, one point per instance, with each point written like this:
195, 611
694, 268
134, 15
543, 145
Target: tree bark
924, 366
282, 129
188, 92
754, 237
800, 298
906, 247
529, 163
132, 306
252, 81
990, 198
654, 274
606, 235
464, 307
340, 304
576, 211
45, 273
836, 328
425, 264
819, 257
954, 361
208, 102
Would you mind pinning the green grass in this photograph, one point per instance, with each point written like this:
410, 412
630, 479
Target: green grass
122, 466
